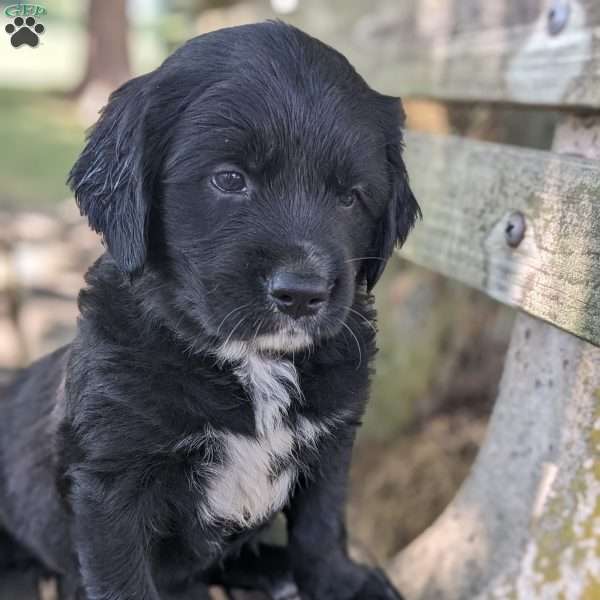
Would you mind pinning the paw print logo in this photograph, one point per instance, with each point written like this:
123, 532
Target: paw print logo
24, 32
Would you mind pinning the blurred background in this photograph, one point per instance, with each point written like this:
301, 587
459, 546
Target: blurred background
442, 345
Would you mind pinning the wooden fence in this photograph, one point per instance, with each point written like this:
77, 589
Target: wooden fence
522, 225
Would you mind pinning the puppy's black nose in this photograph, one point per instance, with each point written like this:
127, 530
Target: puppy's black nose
297, 294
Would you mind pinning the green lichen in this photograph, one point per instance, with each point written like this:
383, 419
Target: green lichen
562, 560
563, 529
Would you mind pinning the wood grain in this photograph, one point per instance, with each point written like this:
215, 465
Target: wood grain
469, 189
466, 50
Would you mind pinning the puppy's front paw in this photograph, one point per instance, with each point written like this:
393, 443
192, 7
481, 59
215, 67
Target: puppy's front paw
377, 587
351, 582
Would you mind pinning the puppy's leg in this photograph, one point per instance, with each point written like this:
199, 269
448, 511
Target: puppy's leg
109, 531
265, 568
317, 537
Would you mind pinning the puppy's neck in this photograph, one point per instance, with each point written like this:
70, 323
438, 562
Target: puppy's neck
271, 383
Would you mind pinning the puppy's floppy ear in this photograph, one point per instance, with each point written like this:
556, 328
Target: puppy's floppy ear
403, 209
108, 179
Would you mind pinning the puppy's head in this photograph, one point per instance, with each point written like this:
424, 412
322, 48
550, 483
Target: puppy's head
258, 177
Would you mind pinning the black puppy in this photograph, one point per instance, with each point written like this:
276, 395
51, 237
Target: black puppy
249, 193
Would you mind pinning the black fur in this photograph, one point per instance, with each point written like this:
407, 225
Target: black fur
96, 480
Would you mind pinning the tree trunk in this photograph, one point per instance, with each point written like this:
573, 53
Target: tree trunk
108, 64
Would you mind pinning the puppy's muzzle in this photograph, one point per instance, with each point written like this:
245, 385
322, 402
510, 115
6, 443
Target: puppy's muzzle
298, 294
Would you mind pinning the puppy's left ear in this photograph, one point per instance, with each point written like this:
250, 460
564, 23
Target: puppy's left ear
108, 178
403, 209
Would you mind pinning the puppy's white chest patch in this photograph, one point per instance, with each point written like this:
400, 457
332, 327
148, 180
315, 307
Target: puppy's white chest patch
271, 383
250, 487
258, 472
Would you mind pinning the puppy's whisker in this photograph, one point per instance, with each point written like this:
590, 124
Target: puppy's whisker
355, 312
229, 314
257, 331
357, 343
233, 331
364, 258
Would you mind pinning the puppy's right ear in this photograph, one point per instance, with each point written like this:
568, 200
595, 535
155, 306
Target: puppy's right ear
108, 178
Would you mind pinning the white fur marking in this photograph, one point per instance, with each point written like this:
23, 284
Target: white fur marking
309, 431
244, 491
271, 383
247, 488
286, 340
233, 351
283, 341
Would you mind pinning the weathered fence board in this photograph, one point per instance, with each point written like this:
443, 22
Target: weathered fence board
525, 522
469, 190
468, 50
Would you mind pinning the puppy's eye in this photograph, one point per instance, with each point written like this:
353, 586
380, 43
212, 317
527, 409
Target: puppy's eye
350, 198
230, 182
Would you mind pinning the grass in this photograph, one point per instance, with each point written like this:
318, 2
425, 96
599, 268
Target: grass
40, 138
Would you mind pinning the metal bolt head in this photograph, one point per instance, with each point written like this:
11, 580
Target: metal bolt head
514, 232
558, 16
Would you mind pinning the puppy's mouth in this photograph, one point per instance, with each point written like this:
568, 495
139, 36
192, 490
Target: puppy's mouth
287, 340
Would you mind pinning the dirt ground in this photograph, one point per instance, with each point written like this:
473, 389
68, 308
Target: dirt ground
398, 488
